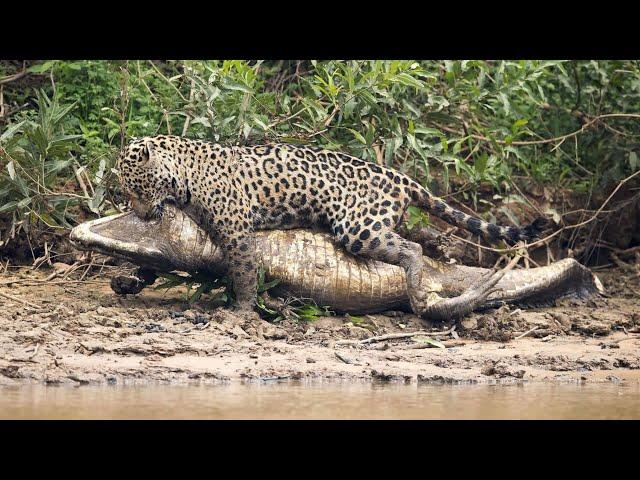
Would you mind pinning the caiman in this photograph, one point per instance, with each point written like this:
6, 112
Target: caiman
309, 265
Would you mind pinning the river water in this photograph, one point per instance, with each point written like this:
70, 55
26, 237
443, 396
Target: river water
322, 401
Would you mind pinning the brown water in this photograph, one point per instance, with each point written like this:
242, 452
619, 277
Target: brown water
324, 401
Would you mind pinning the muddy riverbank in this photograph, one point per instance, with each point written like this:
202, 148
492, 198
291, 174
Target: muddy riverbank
60, 332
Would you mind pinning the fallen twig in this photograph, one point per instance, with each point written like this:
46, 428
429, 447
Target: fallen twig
71, 269
392, 336
625, 339
14, 77
35, 283
526, 333
630, 251
344, 359
20, 300
447, 344
18, 359
624, 265
35, 351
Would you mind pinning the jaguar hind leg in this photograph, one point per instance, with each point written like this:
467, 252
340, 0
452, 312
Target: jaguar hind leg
389, 247
423, 292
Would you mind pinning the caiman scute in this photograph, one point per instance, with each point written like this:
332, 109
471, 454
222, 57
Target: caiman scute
309, 265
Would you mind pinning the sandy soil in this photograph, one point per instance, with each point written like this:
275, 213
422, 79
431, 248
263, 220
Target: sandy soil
82, 333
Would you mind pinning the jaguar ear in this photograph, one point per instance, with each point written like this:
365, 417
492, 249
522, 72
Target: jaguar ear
148, 151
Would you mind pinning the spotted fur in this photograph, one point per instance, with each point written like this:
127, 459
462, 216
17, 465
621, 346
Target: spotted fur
233, 191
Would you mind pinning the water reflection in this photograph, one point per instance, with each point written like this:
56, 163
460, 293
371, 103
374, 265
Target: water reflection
322, 401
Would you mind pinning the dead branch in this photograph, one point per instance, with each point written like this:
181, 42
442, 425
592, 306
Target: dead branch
557, 232
560, 138
20, 300
14, 77
393, 336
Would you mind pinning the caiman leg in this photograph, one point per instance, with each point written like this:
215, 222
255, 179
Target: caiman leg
439, 308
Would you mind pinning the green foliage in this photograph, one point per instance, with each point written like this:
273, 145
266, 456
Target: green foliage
356, 320
263, 285
455, 126
417, 218
34, 152
308, 312
197, 285
38, 157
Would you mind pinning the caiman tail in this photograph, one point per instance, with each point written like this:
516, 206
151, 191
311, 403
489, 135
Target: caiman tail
538, 286
421, 197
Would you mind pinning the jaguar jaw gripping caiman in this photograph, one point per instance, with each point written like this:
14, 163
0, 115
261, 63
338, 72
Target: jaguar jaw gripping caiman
234, 192
310, 265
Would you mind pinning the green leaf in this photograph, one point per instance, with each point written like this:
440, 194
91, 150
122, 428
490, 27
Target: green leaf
24, 202
168, 284
12, 170
517, 124
95, 201
48, 220
269, 285
11, 130
355, 319
42, 67
358, 136
428, 131
481, 164
408, 80
415, 146
349, 107
198, 293
202, 121
172, 281
417, 218
233, 85
8, 206
505, 102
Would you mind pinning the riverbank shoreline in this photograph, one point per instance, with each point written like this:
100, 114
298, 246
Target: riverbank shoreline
81, 333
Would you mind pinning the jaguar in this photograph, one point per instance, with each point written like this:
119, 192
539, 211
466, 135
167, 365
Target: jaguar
234, 191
